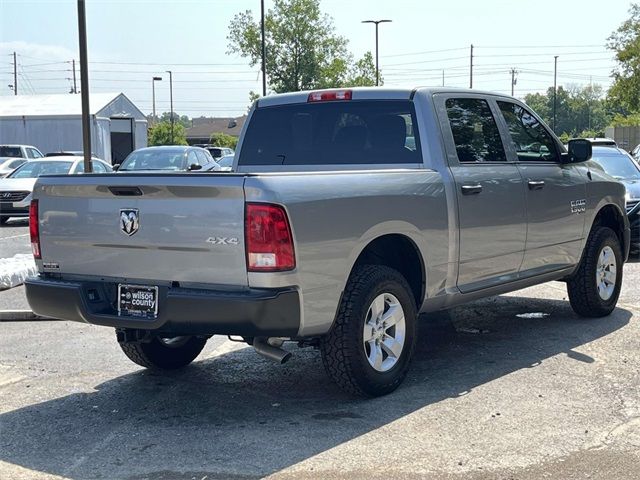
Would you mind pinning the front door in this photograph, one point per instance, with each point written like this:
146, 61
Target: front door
490, 194
556, 193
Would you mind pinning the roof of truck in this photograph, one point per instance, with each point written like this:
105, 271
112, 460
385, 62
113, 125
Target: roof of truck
366, 93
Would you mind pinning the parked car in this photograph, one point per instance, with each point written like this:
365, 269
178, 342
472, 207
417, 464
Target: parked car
16, 189
68, 153
8, 165
12, 156
602, 142
219, 152
332, 233
621, 166
635, 153
168, 159
226, 162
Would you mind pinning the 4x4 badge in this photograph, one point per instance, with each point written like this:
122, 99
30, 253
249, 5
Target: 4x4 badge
129, 221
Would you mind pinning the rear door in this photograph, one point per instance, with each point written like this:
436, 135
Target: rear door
490, 193
555, 192
150, 228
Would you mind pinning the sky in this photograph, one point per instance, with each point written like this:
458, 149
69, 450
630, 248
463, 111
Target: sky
132, 41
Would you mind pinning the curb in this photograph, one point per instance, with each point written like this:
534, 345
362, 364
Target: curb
22, 316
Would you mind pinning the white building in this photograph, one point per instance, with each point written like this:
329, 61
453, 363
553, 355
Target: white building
54, 122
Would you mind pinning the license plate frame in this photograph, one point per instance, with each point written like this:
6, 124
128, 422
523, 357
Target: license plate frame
134, 301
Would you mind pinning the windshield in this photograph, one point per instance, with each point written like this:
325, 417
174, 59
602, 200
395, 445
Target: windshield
154, 160
226, 161
10, 152
620, 167
41, 167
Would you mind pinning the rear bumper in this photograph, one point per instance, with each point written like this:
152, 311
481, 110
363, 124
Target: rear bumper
251, 312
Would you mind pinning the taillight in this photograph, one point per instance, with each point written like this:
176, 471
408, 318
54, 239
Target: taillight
269, 242
34, 229
329, 95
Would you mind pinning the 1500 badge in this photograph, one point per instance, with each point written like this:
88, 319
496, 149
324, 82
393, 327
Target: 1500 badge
578, 206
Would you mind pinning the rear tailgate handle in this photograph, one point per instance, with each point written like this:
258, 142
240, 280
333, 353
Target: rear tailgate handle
471, 189
125, 191
536, 184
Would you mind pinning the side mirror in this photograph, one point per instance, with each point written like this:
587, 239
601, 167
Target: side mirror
115, 167
580, 150
195, 166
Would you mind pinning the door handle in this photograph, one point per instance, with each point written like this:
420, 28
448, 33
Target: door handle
536, 184
471, 189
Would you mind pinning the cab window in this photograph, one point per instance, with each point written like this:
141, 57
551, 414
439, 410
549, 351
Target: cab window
531, 141
475, 132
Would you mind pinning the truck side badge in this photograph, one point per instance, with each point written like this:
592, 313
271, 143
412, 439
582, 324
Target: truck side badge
129, 221
578, 206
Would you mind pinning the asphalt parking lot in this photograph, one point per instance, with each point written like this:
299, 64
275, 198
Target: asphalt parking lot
511, 387
14, 238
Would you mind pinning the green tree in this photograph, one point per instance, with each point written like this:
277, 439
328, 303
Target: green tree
624, 94
303, 50
160, 134
220, 139
579, 110
181, 119
363, 73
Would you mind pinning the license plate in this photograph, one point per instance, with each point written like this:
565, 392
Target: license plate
138, 301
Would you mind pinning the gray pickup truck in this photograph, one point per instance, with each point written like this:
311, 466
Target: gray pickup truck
349, 212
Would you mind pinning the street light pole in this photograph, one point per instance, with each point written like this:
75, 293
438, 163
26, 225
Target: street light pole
555, 88
153, 95
377, 22
264, 51
171, 99
84, 87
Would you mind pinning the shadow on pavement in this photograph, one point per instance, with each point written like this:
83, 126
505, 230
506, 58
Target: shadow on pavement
238, 416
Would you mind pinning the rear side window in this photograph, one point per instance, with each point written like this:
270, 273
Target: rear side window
10, 152
475, 131
332, 133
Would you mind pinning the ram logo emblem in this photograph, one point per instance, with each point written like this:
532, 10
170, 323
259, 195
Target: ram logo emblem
129, 221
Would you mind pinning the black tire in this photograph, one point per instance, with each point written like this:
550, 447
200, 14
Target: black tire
343, 350
583, 285
4, 220
161, 355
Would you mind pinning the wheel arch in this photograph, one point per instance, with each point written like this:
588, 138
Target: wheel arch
398, 251
610, 215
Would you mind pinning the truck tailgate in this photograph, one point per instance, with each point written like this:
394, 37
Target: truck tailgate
183, 228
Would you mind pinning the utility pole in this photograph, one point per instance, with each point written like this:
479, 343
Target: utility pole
75, 88
264, 51
171, 99
471, 68
555, 88
153, 97
376, 23
513, 80
84, 87
15, 74
443, 78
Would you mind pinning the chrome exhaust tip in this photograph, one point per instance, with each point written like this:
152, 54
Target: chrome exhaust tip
266, 349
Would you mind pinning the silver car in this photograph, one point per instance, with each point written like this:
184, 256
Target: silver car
17, 187
168, 159
12, 156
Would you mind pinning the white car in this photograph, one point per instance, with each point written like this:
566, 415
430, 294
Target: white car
17, 187
12, 156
